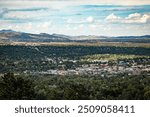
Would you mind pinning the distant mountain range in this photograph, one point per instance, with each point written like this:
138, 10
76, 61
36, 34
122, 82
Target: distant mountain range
13, 36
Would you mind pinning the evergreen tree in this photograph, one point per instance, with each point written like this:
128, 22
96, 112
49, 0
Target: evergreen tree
14, 88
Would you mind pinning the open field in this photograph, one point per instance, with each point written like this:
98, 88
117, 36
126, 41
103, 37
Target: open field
111, 57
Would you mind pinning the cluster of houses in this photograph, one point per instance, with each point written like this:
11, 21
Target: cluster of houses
103, 69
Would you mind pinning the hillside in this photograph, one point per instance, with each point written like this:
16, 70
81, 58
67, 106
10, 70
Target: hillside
13, 36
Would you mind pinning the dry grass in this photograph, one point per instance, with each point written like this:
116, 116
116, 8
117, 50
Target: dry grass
116, 44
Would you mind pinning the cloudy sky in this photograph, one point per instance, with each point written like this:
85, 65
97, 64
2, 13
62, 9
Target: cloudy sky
77, 17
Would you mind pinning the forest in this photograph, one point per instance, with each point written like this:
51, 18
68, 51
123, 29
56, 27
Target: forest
42, 58
74, 87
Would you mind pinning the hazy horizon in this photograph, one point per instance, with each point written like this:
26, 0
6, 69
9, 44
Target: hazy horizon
70, 34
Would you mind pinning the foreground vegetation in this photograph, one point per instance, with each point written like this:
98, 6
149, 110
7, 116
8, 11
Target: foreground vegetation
74, 87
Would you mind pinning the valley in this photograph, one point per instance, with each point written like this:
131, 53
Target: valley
81, 69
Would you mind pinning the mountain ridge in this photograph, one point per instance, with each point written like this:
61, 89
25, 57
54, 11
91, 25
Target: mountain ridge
14, 36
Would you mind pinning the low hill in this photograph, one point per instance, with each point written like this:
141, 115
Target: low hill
13, 36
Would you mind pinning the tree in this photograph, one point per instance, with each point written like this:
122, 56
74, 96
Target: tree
17, 88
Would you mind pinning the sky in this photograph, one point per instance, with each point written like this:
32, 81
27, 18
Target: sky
77, 17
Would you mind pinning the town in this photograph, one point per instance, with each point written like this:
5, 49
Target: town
101, 67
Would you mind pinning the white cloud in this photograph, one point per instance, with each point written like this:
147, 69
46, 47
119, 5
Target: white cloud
137, 18
93, 26
28, 27
25, 14
134, 16
79, 29
131, 18
90, 19
44, 25
75, 21
112, 18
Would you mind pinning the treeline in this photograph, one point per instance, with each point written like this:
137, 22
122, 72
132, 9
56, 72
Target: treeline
43, 58
38, 52
74, 87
